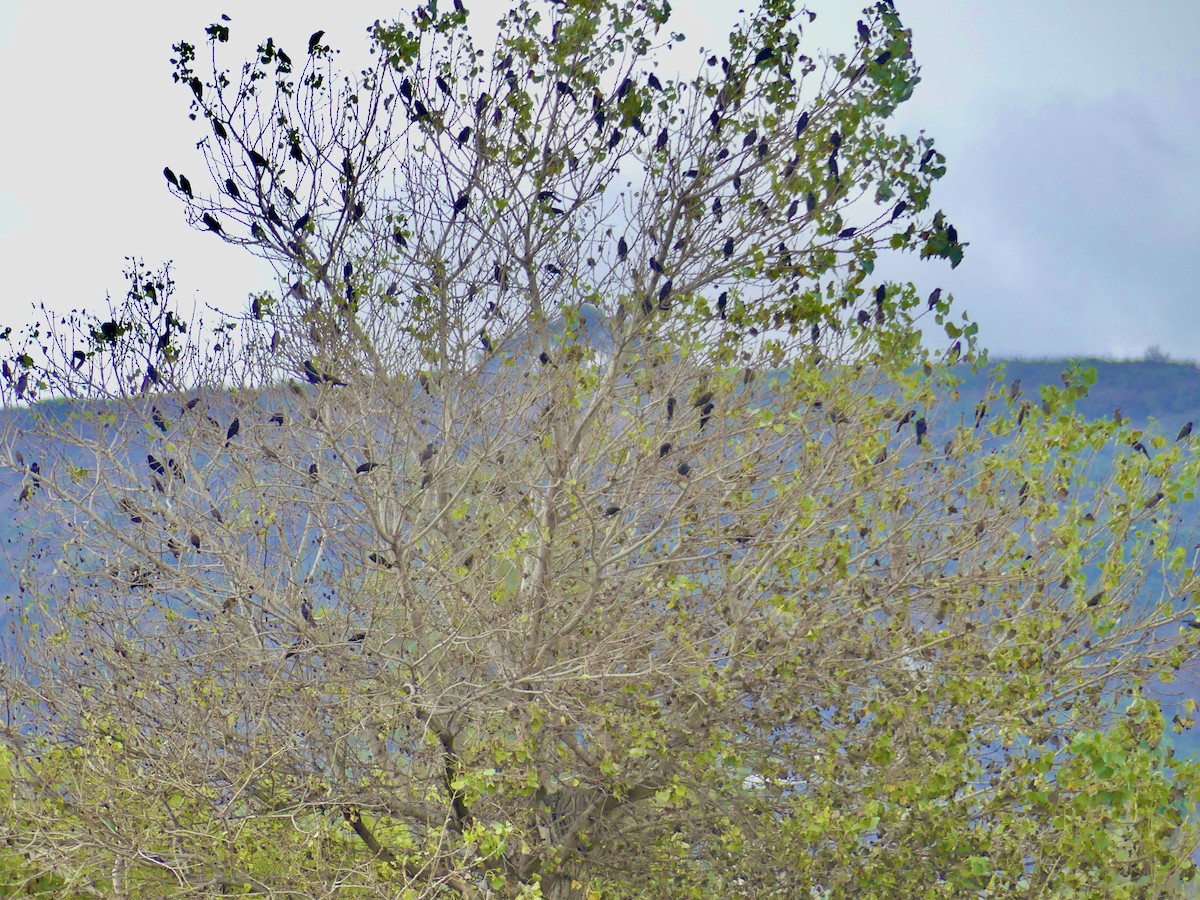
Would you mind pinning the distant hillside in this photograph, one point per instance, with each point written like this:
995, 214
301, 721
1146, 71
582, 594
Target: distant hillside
1166, 391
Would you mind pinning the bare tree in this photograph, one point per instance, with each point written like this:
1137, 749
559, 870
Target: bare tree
577, 519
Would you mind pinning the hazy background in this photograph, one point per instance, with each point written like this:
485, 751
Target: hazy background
1071, 130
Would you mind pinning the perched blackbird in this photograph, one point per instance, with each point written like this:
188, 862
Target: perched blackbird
315, 376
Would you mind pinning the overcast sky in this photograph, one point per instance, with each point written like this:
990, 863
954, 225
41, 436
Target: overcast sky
1070, 127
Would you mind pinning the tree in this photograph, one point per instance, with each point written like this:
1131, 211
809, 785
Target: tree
579, 519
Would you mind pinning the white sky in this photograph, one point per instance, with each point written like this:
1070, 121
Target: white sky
1070, 128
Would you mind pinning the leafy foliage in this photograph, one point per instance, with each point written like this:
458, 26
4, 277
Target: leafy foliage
579, 519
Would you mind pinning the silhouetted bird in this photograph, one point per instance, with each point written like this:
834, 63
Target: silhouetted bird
664, 450
763, 55
301, 222
935, 297
921, 428
664, 292
315, 376
952, 234
653, 81
461, 203
366, 467
273, 216
159, 422
155, 466
670, 408
231, 432
130, 510
186, 186
661, 141
276, 419
727, 250
380, 560
314, 41
213, 224
312, 471
801, 123
705, 405
170, 176
622, 249
722, 302
259, 161
683, 469
612, 510
1184, 431
1139, 447
899, 208
463, 135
